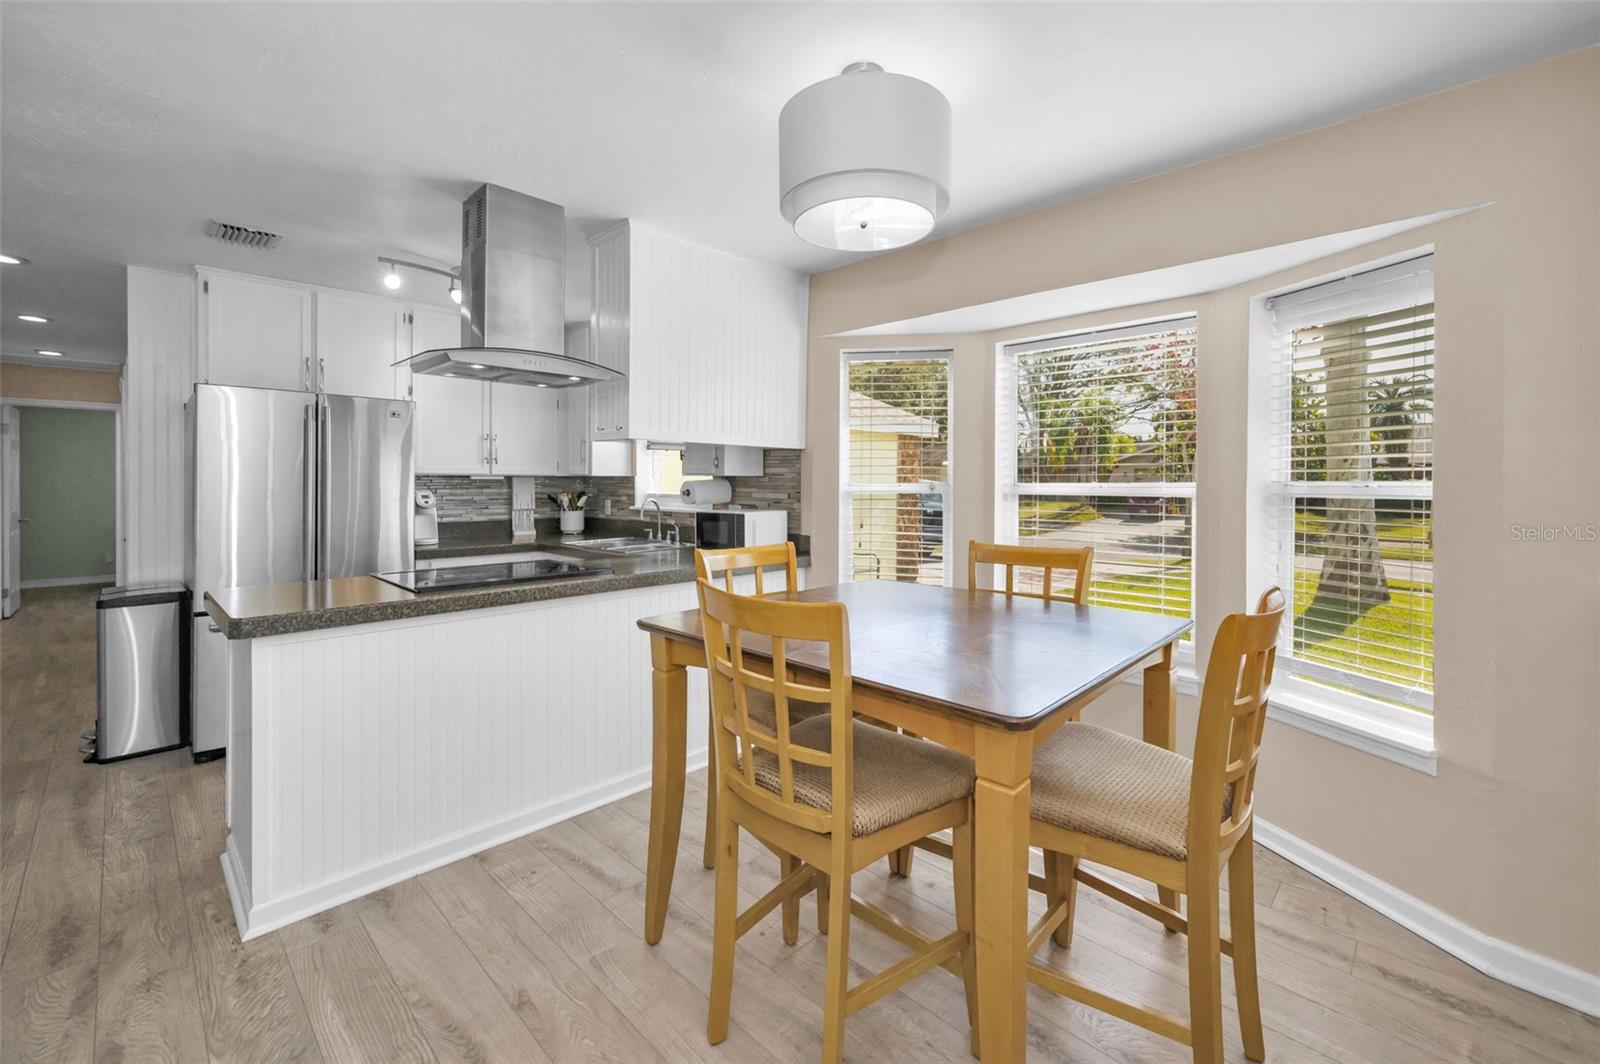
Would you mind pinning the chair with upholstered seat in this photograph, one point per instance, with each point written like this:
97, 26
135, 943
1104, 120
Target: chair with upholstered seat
1108, 798
836, 793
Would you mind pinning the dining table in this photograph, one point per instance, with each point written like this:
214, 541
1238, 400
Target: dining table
990, 675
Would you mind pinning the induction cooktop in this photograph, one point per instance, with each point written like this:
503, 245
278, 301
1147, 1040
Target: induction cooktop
465, 576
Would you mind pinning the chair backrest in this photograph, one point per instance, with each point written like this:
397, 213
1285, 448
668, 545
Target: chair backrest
1078, 560
1233, 713
734, 625
714, 564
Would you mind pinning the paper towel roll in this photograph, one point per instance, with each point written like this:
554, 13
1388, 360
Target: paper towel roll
707, 492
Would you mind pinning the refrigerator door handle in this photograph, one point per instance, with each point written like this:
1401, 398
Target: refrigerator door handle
308, 524
325, 478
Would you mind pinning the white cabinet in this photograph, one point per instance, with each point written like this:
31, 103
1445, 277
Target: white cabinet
713, 346
452, 425
574, 432
524, 430
254, 332
720, 460
359, 338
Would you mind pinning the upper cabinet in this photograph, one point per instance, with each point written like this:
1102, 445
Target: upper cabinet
713, 346
358, 340
254, 332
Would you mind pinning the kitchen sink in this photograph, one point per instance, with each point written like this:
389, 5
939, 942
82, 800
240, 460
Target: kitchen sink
627, 545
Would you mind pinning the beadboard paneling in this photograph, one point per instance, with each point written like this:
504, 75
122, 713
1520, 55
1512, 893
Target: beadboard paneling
158, 379
371, 753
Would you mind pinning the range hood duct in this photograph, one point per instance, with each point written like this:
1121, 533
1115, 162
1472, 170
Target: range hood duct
513, 297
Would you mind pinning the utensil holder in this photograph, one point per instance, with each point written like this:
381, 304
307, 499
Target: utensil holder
571, 521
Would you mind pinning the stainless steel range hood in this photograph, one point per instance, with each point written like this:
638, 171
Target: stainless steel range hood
513, 296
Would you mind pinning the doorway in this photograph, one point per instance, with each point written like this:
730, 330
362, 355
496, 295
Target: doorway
58, 479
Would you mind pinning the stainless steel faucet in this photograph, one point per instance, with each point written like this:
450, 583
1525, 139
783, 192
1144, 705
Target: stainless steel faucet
657, 504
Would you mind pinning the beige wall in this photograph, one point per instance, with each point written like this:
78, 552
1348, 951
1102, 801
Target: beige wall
1507, 837
22, 381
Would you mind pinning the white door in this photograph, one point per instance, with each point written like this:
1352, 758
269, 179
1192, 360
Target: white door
525, 429
255, 333
358, 342
574, 403
11, 490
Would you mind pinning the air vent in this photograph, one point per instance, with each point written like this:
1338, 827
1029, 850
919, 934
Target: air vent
238, 234
472, 212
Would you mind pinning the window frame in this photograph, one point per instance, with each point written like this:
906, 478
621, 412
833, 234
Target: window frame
1009, 491
848, 489
1359, 714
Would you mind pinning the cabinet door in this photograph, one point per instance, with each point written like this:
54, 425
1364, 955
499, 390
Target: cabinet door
524, 429
452, 425
608, 334
431, 329
574, 403
358, 341
255, 333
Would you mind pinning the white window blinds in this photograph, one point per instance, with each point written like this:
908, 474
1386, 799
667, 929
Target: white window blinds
1095, 445
1350, 503
895, 458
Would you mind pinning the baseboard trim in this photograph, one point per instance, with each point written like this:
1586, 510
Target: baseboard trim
1496, 958
67, 581
257, 918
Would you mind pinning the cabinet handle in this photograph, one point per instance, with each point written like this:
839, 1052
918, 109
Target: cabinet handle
322, 373
485, 448
305, 374
497, 448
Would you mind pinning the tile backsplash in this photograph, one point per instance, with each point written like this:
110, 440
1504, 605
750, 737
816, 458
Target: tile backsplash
489, 498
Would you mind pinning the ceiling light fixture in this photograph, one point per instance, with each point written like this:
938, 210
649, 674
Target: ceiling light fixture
37, 319
46, 354
392, 279
864, 160
12, 260
574, 378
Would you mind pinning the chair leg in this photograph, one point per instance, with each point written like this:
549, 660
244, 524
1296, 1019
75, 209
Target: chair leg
787, 863
822, 906
900, 861
966, 920
1205, 958
837, 980
724, 925
709, 859
1063, 887
1242, 920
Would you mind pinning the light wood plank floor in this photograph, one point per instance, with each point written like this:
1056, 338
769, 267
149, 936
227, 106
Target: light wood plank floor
118, 941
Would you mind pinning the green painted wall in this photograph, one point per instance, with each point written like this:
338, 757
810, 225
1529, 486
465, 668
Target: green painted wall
69, 493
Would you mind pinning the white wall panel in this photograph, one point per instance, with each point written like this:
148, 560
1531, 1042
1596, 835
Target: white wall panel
158, 379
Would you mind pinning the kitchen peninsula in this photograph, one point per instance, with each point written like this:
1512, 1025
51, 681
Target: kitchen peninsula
376, 733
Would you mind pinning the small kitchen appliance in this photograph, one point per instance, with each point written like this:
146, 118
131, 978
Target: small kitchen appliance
719, 529
426, 523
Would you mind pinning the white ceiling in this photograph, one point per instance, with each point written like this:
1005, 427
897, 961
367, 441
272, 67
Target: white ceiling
356, 129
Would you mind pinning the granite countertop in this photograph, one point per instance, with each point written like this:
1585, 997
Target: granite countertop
281, 609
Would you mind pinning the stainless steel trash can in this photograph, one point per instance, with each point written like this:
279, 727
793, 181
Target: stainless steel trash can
144, 671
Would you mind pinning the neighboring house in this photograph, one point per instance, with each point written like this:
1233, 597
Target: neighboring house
887, 447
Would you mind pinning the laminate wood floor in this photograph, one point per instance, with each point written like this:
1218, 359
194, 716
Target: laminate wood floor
117, 941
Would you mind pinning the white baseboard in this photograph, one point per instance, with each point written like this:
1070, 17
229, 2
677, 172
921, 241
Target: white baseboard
257, 918
1521, 968
68, 581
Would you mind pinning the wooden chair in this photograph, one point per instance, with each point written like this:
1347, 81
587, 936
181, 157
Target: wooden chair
722, 565
1104, 797
836, 793
1078, 560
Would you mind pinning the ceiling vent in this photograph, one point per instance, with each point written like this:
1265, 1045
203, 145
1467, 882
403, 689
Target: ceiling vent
238, 234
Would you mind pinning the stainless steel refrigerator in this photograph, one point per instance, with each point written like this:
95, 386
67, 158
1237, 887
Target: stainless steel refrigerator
288, 487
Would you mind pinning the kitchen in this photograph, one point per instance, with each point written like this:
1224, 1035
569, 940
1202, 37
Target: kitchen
502, 463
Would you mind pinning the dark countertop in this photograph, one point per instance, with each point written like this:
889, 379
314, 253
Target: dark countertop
281, 609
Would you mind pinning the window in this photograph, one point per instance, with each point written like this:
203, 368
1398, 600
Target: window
658, 470
895, 466
1095, 445
1349, 512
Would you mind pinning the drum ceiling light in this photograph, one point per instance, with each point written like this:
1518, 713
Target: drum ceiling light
864, 160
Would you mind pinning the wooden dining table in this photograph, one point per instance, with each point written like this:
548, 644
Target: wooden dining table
989, 675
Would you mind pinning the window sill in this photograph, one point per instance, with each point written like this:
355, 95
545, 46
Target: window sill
1347, 720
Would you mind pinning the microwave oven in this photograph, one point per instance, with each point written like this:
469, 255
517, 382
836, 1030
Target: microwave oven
720, 529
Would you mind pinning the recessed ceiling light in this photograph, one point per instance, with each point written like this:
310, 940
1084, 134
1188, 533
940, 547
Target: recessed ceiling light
478, 365
38, 319
47, 354
12, 260
541, 386
574, 378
